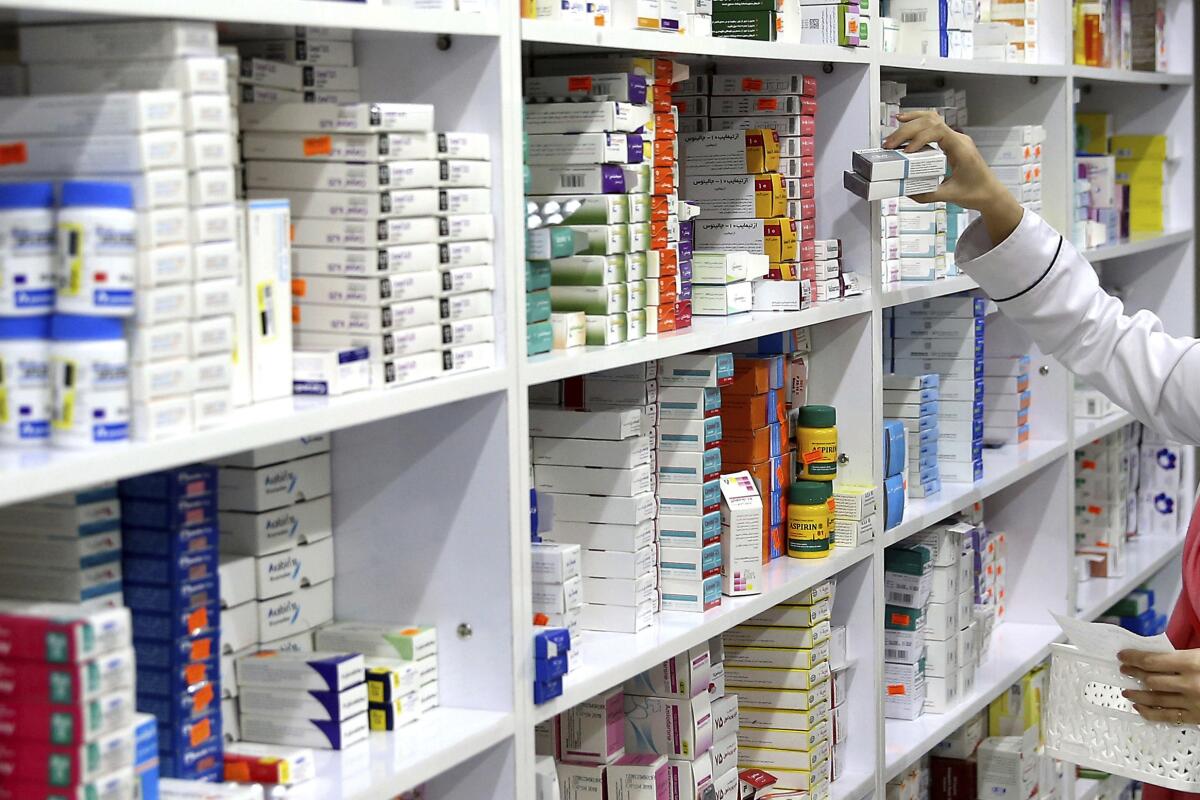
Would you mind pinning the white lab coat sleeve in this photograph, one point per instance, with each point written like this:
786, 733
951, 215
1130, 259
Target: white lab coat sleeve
1041, 282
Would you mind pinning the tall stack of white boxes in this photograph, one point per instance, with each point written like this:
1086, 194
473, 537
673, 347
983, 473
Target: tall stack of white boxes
1007, 30
912, 402
907, 585
1006, 394
87, 569
1106, 473
950, 610
594, 469
172, 144
277, 559
1015, 155
928, 28
690, 463
945, 336
778, 665
392, 222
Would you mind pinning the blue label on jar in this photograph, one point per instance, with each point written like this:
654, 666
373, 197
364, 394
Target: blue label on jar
33, 430
113, 298
33, 298
110, 431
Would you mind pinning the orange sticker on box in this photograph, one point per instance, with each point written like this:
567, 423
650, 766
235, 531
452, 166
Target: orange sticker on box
318, 146
767, 104
901, 619
299, 287
201, 649
751, 85
198, 620
579, 83
13, 153
194, 673
203, 698
895, 689
200, 732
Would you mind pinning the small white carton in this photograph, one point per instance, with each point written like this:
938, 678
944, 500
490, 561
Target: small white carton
741, 535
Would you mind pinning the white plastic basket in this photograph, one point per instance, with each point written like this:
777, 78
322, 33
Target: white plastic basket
1088, 722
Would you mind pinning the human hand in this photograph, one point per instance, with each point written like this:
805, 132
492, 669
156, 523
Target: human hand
972, 184
1172, 682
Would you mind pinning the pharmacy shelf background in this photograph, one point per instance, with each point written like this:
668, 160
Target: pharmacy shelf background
432, 482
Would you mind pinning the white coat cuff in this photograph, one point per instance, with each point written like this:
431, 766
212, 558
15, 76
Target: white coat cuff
1014, 266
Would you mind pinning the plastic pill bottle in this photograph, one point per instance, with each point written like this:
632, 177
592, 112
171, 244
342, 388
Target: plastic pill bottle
810, 519
97, 249
816, 434
27, 251
89, 380
24, 381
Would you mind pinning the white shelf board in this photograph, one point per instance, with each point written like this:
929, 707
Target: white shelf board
1087, 788
361, 16
913, 291
1138, 243
1002, 467
609, 659
1146, 555
1130, 76
567, 34
928, 64
390, 763
705, 332
1015, 648
28, 474
1088, 429
853, 784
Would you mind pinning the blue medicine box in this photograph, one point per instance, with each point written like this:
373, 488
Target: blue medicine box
192, 565
182, 483
169, 514
183, 595
167, 544
171, 626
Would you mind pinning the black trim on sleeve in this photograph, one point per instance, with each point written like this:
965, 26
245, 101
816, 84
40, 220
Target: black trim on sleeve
1057, 250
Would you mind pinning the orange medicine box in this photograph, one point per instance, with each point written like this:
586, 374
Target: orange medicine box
749, 412
755, 375
753, 446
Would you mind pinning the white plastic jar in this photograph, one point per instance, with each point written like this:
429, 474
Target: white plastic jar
97, 249
24, 381
27, 249
89, 380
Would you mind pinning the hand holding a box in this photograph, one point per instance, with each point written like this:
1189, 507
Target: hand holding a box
972, 184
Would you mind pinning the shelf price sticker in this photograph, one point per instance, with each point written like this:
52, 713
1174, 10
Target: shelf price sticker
318, 146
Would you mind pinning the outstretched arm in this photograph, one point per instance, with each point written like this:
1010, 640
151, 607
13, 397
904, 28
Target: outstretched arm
1040, 281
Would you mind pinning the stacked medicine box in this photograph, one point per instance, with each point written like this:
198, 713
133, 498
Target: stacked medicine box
180, 167
1107, 472
304, 699
585, 741
555, 567
1015, 156
945, 336
949, 611
68, 701
620, 157
715, 163
912, 401
896, 444
594, 468
778, 665
1141, 171
1007, 30
928, 28
276, 528
169, 540
758, 439
250, 543
64, 548
392, 232
263, 80
784, 200
668, 714
1006, 394
855, 514
402, 667
908, 583
551, 659
691, 460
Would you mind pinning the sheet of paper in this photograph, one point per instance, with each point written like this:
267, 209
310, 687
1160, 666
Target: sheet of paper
1102, 640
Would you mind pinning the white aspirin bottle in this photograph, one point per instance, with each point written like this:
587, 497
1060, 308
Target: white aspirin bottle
89, 379
24, 381
27, 250
97, 249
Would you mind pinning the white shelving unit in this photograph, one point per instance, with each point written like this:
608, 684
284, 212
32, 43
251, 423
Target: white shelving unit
431, 481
